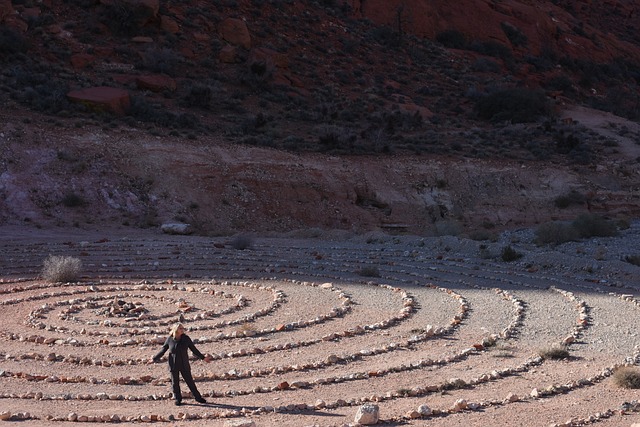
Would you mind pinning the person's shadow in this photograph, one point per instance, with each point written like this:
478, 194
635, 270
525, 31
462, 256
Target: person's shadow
301, 412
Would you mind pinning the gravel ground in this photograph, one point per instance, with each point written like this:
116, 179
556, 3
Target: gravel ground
305, 331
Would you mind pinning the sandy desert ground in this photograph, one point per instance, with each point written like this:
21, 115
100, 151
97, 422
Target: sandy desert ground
305, 330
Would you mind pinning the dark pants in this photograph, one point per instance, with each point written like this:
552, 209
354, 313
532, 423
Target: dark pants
175, 383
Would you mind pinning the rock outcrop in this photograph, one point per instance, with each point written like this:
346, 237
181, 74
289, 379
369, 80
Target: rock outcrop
102, 98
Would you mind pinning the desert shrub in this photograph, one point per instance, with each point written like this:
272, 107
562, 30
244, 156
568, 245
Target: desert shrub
332, 137
569, 199
556, 233
509, 254
560, 82
369, 271
186, 121
627, 377
49, 97
61, 268
11, 41
591, 225
41, 20
515, 36
484, 252
242, 242
448, 228
518, 105
143, 110
452, 39
386, 36
199, 96
633, 259
492, 48
555, 352
483, 235
124, 18
72, 200
566, 143
162, 60
257, 73
486, 65
85, 4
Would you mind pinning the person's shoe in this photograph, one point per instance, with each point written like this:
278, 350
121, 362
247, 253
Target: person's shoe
201, 400
178, 402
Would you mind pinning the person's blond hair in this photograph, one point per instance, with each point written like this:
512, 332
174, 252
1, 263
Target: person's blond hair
174, 329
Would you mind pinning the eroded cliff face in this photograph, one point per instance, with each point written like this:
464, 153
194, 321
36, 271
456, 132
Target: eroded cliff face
92, 178
569, 30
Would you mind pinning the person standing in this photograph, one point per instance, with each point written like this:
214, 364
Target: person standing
178, 343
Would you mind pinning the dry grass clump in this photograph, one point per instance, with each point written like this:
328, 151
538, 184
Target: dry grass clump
627, 377
61, 268
556, 352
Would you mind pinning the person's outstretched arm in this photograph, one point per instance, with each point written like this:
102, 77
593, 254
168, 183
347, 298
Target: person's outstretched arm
194, 350
162, 351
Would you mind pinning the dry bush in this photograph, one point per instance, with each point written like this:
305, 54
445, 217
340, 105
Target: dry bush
627, 377
448, 228
556, 233
591, 225
509, 254
556, 352
242, 242
61, 268
633, 259
369, 271
570, 199
518, 105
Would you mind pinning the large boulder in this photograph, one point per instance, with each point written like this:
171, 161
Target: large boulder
156, 83
229, 54
6, 9
102, 98
82, 60
169, 24
235, 31
176, 228
269, 56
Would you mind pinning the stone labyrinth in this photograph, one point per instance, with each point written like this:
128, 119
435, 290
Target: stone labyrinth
305, 332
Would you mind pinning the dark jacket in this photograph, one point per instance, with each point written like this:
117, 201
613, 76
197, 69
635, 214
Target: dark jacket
178, 357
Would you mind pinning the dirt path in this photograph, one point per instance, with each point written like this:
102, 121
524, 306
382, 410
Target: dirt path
625, 132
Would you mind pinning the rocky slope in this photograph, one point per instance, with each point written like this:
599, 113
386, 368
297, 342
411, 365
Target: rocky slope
277, 115
57, 175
